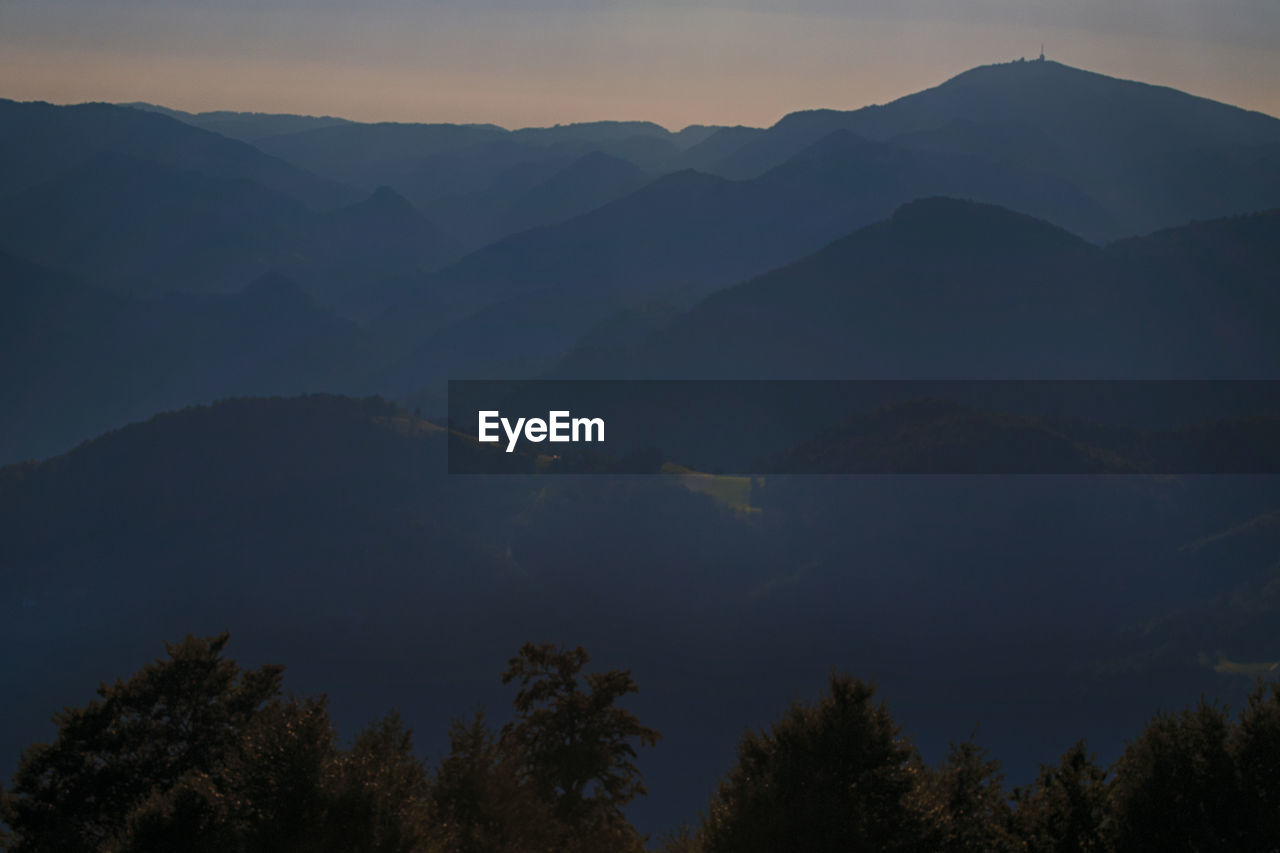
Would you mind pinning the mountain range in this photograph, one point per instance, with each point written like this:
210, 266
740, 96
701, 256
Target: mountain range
1021, 220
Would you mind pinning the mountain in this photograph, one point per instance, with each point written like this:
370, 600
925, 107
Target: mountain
526, 298
473, 178
247, 127
40, 142
358, 259
79, 360
592, 132
984, 228
136, 227
1147, 154
428, 161
1093, 119
531, 194
370, 155
947, 288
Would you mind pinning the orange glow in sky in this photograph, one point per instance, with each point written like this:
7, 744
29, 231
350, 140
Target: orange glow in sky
675, 63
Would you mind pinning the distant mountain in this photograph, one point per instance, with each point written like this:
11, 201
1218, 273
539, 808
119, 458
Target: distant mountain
358, 259
78, 361
40, 142
678, 239
532, 194
370, 155
526, 298
843, 168
417, 158
468, 178
1147, 154
585, 184
946, 288
138, 227
693, 134
1096, 120
247, 127
591, 132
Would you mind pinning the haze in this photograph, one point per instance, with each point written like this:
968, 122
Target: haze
698, 61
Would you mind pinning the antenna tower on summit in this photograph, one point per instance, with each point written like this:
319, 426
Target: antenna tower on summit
1042, 51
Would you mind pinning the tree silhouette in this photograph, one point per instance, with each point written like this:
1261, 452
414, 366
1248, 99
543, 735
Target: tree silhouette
577, 749
192, 753
832, 776
174, 718
381, 796
1175, 786
1065, 809
481, 801
1255, 748
966, 803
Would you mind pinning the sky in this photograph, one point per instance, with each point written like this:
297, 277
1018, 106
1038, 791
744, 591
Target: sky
539, 62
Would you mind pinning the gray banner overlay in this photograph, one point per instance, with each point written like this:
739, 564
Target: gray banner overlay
864, 427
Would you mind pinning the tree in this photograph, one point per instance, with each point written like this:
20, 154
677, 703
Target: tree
966, 803
1175, 787
482, 803
575, 747
832, 776
1255, 749
380, 797
1065, 809
269, 794
175, 719
194, 754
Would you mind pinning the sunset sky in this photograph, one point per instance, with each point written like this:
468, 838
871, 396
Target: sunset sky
677, 62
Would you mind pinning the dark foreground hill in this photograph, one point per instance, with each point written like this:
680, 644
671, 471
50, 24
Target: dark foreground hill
323, 531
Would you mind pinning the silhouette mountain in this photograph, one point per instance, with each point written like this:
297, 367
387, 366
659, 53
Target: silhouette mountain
371, 155
39, 142
534, 193
1147, 154
247, 127
473, 178
678, 239
1093, 118
79, 361
589, 182
591, 132
947, 288
137, 227
358, 259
